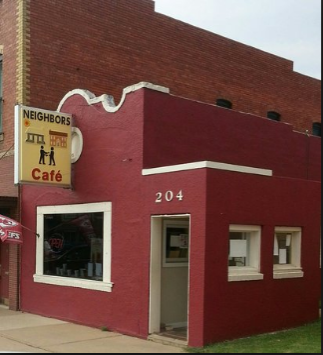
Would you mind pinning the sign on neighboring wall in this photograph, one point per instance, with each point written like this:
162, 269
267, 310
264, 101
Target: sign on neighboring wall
42, 147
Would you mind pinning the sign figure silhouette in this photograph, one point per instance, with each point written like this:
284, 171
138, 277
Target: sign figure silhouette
52, 157
43, 154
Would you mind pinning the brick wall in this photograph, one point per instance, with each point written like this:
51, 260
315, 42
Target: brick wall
10, 294
8, 41
14, 273
106, 45
8, 16
7, 187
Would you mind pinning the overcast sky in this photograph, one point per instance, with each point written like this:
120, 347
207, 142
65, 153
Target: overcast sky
288, 28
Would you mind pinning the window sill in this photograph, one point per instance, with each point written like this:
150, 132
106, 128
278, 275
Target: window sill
78, 283
245, 276
288, 273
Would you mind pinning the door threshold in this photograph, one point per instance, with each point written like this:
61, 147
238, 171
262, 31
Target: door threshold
167, 340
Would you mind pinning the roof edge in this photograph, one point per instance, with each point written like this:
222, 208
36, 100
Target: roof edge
108, 100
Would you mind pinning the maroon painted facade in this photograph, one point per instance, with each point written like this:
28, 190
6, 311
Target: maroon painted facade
126, 41
154, 129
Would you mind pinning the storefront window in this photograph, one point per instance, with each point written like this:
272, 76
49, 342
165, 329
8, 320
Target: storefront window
73, 245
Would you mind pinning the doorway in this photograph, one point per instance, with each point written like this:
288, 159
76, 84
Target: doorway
169, 276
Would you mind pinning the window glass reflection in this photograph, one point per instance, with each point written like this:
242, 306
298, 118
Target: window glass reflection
73, 245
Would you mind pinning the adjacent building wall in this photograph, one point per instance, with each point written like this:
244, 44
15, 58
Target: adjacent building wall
106, 45
8, 48
10, 15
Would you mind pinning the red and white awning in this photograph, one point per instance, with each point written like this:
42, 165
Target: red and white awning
10, 230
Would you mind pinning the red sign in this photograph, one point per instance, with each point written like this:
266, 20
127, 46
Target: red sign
10, 230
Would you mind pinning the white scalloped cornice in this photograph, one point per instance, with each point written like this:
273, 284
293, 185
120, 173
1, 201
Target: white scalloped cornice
108, 100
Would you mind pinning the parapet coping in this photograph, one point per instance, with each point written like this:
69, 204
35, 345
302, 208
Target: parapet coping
108, 100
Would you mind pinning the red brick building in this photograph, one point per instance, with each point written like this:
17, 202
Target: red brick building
182, 216
48, 48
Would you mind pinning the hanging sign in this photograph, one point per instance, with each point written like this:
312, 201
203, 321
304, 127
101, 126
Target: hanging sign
10, 230
42, 147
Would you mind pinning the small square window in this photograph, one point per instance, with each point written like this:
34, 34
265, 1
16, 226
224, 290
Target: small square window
317, 129
287, 253
244, 253
224, 103
275, 116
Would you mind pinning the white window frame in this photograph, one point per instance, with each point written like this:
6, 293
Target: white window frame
251, 272
175, 262
106, 208
293, 270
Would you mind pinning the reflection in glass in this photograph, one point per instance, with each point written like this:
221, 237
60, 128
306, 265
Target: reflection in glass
73, 245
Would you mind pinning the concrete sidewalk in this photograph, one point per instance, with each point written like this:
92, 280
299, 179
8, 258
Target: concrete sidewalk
23, 332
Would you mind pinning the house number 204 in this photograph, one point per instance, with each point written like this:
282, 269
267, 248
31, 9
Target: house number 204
168, 196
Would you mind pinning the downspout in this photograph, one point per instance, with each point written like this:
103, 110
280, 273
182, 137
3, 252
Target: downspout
307, 155
22, 98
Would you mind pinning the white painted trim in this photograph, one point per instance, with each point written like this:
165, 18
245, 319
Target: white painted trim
207, 165
76, 144
155, 275
288, 229
156, 235
177, 262
77, 283
288, 274
107, 101
17, 147
244, 228
39, 277
245, 277
251, 272
173, 216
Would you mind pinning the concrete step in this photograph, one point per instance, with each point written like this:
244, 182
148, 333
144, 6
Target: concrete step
167, 340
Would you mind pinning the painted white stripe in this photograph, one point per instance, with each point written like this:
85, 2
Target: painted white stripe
207, 165
107, 100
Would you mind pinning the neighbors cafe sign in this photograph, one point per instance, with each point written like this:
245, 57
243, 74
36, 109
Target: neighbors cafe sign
42, 147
